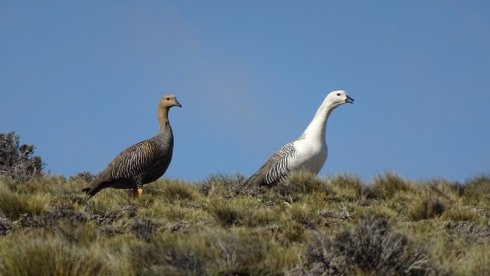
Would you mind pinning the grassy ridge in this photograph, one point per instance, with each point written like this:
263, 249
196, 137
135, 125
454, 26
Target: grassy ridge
306, 226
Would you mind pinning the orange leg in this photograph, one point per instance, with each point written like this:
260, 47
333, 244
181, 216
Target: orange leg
138, 192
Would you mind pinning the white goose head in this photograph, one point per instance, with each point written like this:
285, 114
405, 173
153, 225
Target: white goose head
338, 97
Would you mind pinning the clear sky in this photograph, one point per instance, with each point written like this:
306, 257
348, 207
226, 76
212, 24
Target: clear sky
81, 80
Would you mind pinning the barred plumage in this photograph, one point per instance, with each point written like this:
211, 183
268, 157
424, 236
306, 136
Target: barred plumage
308, 152
279, 169
143, 162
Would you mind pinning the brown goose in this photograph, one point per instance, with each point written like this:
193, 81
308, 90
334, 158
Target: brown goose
143, 162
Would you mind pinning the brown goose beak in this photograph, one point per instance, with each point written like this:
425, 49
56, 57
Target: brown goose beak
177, 103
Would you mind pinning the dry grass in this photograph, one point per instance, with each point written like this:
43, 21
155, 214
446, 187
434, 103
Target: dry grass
307, 225
372, 247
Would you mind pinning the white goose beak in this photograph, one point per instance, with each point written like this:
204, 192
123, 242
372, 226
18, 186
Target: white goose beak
349, 99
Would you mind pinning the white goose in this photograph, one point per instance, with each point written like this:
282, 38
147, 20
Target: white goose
308, 152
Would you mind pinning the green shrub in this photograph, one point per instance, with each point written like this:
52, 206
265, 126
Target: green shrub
18, 161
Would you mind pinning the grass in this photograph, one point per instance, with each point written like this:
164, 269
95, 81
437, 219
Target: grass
371, 247
305, 226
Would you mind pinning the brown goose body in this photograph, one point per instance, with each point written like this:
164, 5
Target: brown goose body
143, 162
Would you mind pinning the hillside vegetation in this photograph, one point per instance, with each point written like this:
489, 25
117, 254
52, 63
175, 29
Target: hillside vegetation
306, 226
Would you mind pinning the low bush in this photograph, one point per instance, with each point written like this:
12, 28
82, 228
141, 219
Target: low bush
18, 161
372, 247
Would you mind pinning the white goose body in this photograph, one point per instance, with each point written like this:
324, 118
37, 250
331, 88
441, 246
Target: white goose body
308, 152
310, 155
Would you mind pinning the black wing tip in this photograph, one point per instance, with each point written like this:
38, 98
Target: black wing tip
255, 180
89, 191
247, 182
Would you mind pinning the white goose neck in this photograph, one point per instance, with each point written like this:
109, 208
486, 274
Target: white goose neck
318, 125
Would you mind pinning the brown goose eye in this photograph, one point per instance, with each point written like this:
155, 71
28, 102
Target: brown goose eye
168, 99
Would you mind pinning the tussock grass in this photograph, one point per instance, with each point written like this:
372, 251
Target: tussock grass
388, 185
349, 187
174, 212
217, 253
476, 260
178, 190
446, 190
38, 254
233, 212
477, 191
304, 226
425, 207
296, 220
461, 214
224, 185
300, 183
14, 205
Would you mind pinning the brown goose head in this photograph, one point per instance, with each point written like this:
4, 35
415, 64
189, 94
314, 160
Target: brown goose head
164, 106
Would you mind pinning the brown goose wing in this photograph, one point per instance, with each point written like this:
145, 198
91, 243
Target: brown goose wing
127, 168
134, 161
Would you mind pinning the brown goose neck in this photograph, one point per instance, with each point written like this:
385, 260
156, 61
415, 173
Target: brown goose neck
163, 118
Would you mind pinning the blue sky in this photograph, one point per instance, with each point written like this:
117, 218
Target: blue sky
81, 80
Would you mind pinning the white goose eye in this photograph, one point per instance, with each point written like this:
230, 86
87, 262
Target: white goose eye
338, 94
